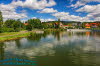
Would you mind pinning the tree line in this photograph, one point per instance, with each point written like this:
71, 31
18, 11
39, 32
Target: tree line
12, 25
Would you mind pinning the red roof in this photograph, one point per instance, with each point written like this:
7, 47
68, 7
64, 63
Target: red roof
25, 23
87, 25
56, 23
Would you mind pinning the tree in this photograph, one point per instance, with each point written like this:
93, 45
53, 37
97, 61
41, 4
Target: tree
1, 18
35, 23
11, 25
9, 22
29, 27
1, 21
58, 23
44, 25
17, 25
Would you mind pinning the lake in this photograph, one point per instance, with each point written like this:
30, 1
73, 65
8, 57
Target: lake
58, 48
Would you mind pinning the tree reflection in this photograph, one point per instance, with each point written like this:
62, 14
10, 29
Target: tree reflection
57, 34
18, 44
2, 51
37, 36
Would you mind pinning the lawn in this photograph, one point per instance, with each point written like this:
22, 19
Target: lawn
13, 35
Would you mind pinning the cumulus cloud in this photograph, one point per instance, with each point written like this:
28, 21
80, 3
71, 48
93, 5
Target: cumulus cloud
9, 12
82, 2
89, 8
46, 20
7, 7
48, 10
67, 17
86, 1
93, 11
60, 14
34, 4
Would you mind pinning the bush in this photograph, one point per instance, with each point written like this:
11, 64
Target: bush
17, 29
7, 30
0, 30
29, 27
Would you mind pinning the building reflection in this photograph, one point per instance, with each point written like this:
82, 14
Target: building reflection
88, 34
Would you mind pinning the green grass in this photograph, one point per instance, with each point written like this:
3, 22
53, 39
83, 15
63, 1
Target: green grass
8, 33
12, 35
16, 35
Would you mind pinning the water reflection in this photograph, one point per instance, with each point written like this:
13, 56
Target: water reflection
57, 34
18, 44
2, 51
56, 48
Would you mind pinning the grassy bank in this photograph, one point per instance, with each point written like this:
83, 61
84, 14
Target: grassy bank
13, 35
16, 35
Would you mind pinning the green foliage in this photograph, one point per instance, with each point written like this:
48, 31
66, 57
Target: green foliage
8, 23
5, 29
0, 30
13, 24
44, 25
1, 21
29, 27
70, 28
17, 25
35, 23
1, 18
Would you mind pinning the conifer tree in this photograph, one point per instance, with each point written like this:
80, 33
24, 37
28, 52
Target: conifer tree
1, 19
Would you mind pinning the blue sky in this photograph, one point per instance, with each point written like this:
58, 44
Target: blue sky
50, 10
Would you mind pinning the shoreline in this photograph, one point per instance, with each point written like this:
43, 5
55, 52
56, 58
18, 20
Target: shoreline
17, 35
78, 30
14, 37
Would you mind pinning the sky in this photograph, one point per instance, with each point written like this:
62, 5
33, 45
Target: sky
51, 10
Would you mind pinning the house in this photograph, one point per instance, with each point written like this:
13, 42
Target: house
92, 25
26, 24
87, 25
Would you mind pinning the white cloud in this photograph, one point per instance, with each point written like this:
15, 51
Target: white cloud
48, 10
34, 18
14, 15
9, 12
94, 11
89, 8
45, 20
67, 17
7, 7
82, 2
60, 14
77, 4
34, 4
86, 1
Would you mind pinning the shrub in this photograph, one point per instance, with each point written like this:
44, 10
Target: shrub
17, 29
7, 30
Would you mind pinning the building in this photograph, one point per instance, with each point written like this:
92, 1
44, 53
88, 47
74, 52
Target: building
92, 25
87, 25
26, 24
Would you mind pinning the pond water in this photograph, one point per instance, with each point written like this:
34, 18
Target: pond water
59, 48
